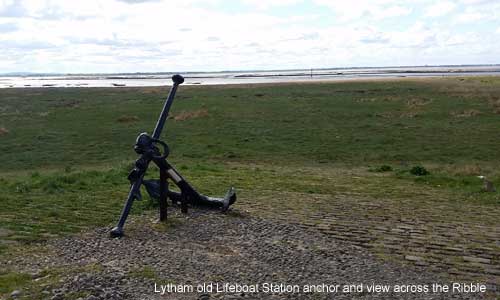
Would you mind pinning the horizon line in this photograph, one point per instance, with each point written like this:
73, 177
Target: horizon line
20, 73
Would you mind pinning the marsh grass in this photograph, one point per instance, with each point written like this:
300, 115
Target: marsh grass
65, 158
315, 123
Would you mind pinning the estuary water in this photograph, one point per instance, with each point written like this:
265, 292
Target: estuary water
243, 77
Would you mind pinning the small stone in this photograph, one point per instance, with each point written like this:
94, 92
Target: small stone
36, 274
413, 258
493, 271
15, 294
477, 259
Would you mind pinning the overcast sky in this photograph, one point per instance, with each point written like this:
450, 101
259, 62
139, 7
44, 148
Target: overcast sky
205, 35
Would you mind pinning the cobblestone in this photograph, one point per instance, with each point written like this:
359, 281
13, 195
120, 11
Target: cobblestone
446, 236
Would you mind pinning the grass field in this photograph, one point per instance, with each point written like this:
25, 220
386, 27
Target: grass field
65, 152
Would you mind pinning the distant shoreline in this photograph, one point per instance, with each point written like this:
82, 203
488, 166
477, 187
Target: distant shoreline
42, 74
323, 75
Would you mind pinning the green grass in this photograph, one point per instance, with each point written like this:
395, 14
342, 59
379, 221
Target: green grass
40, 206
144, 272
65, 153
9, 281
349, 123
32, 288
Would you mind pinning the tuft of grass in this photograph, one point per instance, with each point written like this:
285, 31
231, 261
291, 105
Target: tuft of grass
10, 281
171, 223
419, 171
381, 169
76, 295
146, 272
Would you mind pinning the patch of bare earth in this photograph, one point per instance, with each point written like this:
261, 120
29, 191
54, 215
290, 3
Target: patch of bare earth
466, 113
495, 103
3, 131
186, 115
418, 102
128, 119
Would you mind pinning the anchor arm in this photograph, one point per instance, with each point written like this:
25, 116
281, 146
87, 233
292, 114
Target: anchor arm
188, 193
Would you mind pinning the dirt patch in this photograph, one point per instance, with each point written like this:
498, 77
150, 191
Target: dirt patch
154, 90
385, 115
410, 114
393, 115
5, 232
66, 103
364, 100
186, 115
128, 119
496, 106
466, 113
417, 102
466, 170
3, 131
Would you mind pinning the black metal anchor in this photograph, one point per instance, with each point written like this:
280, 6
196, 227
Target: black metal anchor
151, 148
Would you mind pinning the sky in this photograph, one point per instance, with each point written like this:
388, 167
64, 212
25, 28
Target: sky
112, 36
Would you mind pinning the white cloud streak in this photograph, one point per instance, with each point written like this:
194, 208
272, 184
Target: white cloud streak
356, 9
440, 9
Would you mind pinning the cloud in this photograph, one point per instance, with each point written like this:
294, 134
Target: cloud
8, 27
164, 35
357, 9
392, 11
267, 4
137, 1
478, 2
481, 11
469, 17
375, 39
11, 8
440, 9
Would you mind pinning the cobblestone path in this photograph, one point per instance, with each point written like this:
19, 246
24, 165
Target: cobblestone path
451, 238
